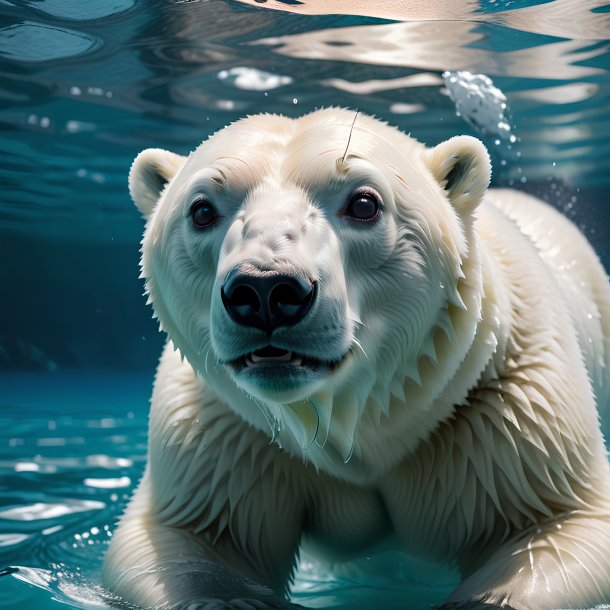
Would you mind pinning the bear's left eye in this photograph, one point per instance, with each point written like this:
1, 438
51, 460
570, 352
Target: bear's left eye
363, 205
203, 213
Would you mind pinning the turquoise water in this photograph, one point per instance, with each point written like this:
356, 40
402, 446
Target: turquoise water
84, 86
72, 447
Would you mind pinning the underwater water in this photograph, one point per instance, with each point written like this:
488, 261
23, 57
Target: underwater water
84, 86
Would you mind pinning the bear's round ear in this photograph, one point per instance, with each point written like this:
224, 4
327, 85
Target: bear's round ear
462, 167
150, 172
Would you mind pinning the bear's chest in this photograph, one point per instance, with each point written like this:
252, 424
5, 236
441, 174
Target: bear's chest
343, 519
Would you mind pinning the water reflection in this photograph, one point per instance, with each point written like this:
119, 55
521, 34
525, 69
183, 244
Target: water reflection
252, 79
60, 498
459, 10
76, 10
401, 108
46, 510
34, 42
561, 18
108, 483
113, 78
369, 87
433, 46
571, 93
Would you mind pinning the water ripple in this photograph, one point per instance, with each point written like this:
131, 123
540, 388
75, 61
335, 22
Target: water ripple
77, 10
36, 42
45, 510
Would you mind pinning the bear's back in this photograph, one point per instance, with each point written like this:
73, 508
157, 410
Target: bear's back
580, 277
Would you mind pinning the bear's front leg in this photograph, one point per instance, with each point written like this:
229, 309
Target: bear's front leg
218, 514
564, 563
172, 568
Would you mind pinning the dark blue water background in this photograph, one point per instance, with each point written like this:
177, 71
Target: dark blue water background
84, 86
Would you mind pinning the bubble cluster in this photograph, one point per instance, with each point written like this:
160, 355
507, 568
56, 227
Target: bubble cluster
485, 108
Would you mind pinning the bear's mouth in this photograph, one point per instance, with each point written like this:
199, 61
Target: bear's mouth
280, 374
274, 357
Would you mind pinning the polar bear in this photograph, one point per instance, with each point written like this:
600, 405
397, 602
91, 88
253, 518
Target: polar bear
364, 344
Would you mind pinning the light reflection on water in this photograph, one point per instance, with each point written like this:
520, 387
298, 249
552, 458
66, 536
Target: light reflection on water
59, 501
167, 74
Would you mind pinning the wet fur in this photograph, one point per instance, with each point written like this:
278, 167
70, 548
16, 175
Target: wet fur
463, 423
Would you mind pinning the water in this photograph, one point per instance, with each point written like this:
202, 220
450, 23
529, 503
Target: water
84, 86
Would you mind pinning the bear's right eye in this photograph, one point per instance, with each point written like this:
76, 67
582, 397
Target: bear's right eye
364, 205
203, 213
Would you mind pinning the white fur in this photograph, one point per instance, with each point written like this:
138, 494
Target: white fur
474, 331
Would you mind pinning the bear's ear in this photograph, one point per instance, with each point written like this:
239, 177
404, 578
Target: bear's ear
150, 172
462, 167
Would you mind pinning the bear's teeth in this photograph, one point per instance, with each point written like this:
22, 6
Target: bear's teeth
252, 359
285, 357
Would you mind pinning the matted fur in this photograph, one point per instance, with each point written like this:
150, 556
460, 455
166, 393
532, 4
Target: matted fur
472, 332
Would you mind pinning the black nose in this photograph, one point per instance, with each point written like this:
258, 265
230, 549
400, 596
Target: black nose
267, 301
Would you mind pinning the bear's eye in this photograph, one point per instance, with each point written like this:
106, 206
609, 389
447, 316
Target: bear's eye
363, 205
202, 213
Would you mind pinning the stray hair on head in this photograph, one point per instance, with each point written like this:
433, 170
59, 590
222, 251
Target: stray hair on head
349, 139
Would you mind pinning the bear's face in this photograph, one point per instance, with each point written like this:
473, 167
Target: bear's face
303, 260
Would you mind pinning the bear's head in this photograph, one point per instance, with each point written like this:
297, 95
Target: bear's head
313, 271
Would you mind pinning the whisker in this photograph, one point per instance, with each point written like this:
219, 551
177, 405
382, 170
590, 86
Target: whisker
271, 420
203, 340
359, 346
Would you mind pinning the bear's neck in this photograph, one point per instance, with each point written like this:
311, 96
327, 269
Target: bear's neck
366, 437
